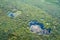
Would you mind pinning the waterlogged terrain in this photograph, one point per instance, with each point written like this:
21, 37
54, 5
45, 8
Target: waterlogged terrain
16, 26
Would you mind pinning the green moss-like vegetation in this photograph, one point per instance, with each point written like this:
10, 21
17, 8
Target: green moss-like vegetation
18, 28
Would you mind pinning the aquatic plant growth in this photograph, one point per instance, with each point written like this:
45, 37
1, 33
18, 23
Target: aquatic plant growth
38, 28
14, 14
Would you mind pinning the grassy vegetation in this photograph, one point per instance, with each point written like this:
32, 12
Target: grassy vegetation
18, 28
50, 6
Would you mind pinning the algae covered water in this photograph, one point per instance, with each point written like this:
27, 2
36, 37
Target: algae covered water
29, 20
